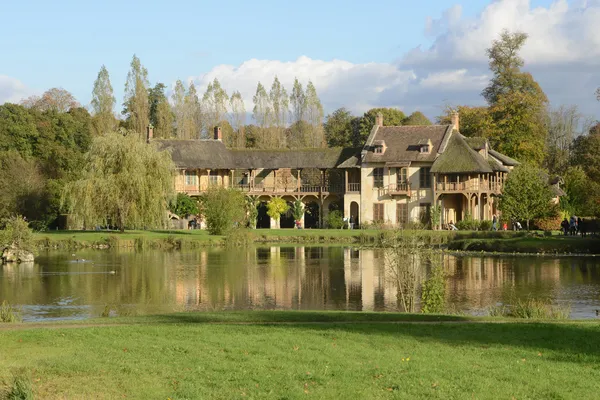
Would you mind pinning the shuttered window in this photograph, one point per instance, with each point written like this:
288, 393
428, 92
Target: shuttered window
378, 177
425, 177
378, 212
401, 213
191, 178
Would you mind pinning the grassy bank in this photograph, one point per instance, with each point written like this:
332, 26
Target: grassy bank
352, 355
507, 242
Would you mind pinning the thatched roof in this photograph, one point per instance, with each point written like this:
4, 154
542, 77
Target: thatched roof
403, 143
506, 160
496, 166
214, 155
476, 143
460, 158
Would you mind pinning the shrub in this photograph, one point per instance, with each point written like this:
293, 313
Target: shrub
298, 210
9, 313
433, 293
485, 225
276, 207
223, 209
531, 308
16, 232
184, 205
240, 237
251, 205
467, 223
335, 219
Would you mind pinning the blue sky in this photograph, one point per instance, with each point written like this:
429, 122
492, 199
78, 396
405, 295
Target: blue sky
64, 43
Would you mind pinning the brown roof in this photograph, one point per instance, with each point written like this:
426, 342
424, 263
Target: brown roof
506, 160
213, 154
459, 157
403, 142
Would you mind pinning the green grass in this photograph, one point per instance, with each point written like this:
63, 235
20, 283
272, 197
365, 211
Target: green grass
180, 356
529, 244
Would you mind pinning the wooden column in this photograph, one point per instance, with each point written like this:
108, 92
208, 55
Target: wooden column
298, 183
346, 177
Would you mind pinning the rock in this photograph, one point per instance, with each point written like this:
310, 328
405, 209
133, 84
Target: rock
13, 254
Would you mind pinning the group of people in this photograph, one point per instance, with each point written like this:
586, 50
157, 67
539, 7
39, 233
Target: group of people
574, 226
516, 225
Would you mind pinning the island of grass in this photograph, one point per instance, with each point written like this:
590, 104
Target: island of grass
470, 241
325, 355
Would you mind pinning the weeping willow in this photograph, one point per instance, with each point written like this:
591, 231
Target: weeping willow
126, 183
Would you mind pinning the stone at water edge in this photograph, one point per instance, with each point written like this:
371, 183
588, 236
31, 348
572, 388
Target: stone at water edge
13, 254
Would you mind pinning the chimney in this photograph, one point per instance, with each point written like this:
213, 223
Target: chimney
379, 119
218, 133
455, 120
149, 133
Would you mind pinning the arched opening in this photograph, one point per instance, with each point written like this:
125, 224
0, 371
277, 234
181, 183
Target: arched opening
286, 220
263, 221
311, 215
354, 214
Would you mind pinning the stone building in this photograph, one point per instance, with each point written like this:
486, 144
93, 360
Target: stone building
395, 179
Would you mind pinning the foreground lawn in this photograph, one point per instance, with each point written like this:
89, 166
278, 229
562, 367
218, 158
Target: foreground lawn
182, 356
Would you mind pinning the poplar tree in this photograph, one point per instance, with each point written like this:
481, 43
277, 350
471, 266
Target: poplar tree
161, 116
178, 98
238, 120
103, 103
136, 97
314, 117
298, 129
193, 120
281, 108
214, 105
262, 114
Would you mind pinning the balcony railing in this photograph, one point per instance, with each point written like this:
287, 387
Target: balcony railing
472, 185
353, 188
261, 188
396, 189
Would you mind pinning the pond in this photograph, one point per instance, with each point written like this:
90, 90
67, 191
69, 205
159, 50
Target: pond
58, 286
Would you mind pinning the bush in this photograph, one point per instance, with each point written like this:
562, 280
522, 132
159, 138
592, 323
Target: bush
9, 313
16, 232
223, 209
184, 205
485, 225
276, 207
467, 223
335, 220
433, 294
531, 308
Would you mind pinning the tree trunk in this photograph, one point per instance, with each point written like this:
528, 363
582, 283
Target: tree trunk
528, 225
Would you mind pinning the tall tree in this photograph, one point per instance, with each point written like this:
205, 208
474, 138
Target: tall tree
281, 108
517, 102
339, 129
214, 104
298, 129
179, 109
314, 117
161, 116
474, 121
125, 181
136, 106
263, 115
103, 104
55, 99
563, 125
193, 120
417, 118
391, 117
238, 120
526, 194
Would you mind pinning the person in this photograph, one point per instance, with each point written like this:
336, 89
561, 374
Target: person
505, 226
452, 227
344, 222
495, 223
565, 226
572, 226
518, 225
583, 227
351, 224
298, 224
578, 224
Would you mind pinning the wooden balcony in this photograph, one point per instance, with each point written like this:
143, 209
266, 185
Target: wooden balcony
395, 189
261, 189
353, 188
469, 186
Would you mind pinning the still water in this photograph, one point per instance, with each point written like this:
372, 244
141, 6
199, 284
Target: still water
57, 286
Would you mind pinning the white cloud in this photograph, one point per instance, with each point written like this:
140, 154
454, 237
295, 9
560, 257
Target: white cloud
12, 90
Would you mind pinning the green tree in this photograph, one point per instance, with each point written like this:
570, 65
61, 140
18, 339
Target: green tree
15, 232
193, 113
526, 194
179, 109
103, 104
474, 121
417, 118
298, 130
238, 121
125, 182
391, 117
280, 105
276, 207
262, 113
586, 153
339, 130
136, 107
223, 209
297, 210
184, 206
581, 192
18, 130
314, 117
251, 207
214, 105
161, 116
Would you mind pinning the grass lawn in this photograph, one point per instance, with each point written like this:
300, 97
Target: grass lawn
346, 355
549, 244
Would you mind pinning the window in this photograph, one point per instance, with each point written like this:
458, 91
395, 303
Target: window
378, 212
425, 212
401, 213
378, 177
191, 178
378, 149
424, 149
402, 177
213, 177
425, 177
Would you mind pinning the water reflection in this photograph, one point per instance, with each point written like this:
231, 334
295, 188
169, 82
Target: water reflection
311, 278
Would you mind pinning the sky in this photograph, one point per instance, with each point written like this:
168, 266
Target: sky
415, 55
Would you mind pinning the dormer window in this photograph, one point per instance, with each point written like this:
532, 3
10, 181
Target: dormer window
424, 149
379, 147
424, 146
378, 150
